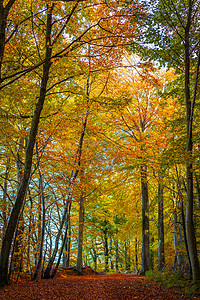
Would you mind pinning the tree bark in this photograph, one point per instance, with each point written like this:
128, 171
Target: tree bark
197, 189
18, 245
111, 254
4, 11
161, 254
190, 231
39, 262
105, 241
116, 255
7, 241
136, 256
106, 251
4, 204
145, 221
66, 256
79, 262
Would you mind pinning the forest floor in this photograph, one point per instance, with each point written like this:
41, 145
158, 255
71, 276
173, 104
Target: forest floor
90, 286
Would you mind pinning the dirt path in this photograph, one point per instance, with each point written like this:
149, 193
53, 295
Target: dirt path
96, 287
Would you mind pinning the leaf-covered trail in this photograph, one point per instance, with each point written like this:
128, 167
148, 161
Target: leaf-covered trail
98, 287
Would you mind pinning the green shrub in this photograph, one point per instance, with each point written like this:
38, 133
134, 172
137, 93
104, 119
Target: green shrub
176, 279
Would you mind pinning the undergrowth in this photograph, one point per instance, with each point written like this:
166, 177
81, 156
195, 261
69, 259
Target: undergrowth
175, 279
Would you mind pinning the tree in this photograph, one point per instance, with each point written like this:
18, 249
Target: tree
161, 255
7, 240
174, 39
139, 127
38, 55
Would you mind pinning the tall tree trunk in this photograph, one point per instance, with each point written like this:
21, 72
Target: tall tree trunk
4, 204
152, 253
116, 254
7, 241
30, 225
183, 217
161, 254
136, 255
39, 262
145, 221
66, 255
18, 246
80, 236
178, 255
106, 251
111, 254
191, 238
197, 188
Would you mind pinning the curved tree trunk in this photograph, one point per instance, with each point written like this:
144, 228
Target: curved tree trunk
7, 241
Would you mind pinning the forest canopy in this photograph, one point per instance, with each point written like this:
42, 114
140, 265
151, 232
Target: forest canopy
99, 136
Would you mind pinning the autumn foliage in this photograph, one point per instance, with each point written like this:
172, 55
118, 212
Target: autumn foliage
98, 165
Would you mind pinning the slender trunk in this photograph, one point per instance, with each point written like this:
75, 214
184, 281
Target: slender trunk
17, 256
47, 272
4, 204
184, 234
197, 189
176, 230
183, 218
66, 255
136, 255
111, 255
191, 238
63, 243
7, 241
152, 252
69, 243
116, 255
93, 252
28, 264
145, 221
39, 263
80, 236
161, 254
106, 250
39, 213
